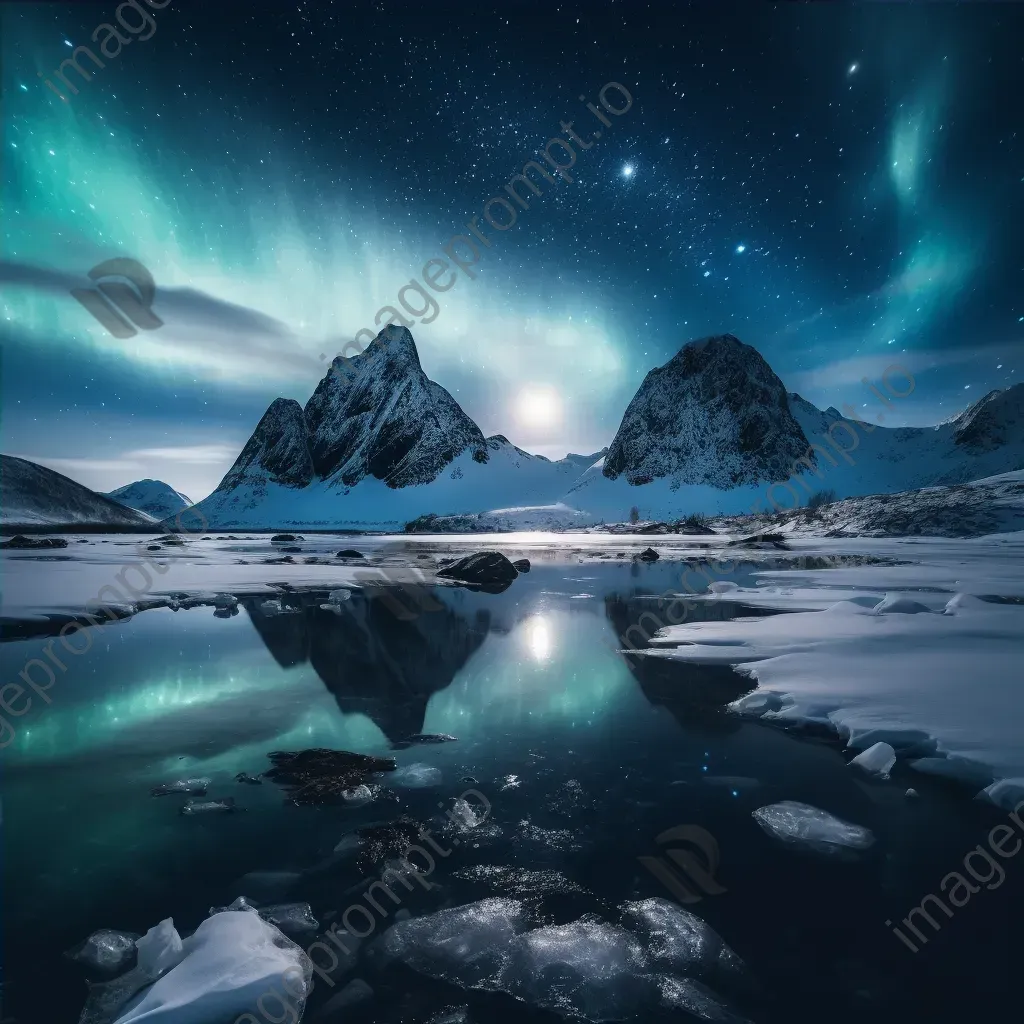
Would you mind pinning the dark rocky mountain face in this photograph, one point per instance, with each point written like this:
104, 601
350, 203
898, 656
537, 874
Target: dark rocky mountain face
379, 415
714, 414
993, 421
278, 450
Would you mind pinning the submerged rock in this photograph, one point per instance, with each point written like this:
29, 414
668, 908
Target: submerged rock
194, 787
320, 775
483, 569
20, 541
283, 538
810, 828
349, 553
106, 951
222, 806
249, 780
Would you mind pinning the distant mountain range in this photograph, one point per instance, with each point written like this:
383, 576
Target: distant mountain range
712, 431
153, 497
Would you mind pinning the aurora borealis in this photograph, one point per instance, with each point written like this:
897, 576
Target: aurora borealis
838, 186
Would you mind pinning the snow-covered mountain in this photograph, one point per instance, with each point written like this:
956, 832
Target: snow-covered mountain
153, 497
714, 414
805, 451
713, 431
377, 445
32, 496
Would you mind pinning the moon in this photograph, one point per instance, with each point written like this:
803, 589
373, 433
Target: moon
538, 407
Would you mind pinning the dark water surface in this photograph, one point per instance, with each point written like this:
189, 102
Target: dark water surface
607, 751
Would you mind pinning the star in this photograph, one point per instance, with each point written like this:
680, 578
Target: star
627, 171
741, 248
853, 68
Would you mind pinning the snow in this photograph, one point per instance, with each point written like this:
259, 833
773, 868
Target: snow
231, 961
941, 685
153, 497
813, 829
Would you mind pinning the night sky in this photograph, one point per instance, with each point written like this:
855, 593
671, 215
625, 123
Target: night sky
840, 186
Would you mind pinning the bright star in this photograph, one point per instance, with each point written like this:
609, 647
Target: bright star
852, 70
627, 171
741, 248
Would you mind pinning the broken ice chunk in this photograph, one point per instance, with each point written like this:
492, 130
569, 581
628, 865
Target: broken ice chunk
194, 787
339, 596
698, 999
293, 919
466, 946
357, 796
465, 816
878, 760
222, 806
224, 601
586, 969
679, 941
106, 950
160, 948
813, 829
232, 961
416, 776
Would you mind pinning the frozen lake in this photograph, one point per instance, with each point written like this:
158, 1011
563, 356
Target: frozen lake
585, 753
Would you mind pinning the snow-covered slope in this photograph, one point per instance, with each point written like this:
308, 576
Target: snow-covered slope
33, 496
153, 497
847, 456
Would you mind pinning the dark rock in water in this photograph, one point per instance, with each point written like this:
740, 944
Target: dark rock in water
776, 540
193, 787
319, 775
522, 565
422, 737
222, 806
383, 841
153, 547
349, 553
484, 569
225, 613
649, 555
251, 780
107, 951
282, 538
18, 541
292, 550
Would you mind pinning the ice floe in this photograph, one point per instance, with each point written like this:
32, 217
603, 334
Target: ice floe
813, 829
878, 759
588, 968
942, 681
416, 776
106, 950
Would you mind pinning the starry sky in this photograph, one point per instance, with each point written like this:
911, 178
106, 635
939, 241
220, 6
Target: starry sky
840, 186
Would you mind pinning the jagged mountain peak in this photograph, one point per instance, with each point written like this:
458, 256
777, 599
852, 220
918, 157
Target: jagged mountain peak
278, 451
714, 414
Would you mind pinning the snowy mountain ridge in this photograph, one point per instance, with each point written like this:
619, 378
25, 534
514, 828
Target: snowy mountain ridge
713, 431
